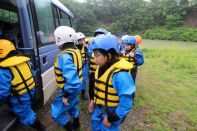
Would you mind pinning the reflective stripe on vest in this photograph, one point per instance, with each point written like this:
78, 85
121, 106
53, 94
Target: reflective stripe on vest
92, 64
76, 56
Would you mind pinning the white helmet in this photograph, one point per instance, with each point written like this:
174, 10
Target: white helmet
80, 35
124, 36
64, 34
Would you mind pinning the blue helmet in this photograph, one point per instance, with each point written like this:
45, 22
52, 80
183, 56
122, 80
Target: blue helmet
129, 40
105, 42
100, 31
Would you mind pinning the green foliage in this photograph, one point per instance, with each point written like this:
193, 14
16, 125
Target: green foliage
139, 15
181, 34
8, 16
129, 16
173, 21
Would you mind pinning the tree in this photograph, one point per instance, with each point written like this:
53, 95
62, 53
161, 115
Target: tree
129, 15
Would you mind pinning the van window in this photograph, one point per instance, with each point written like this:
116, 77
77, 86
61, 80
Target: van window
9, 27
64, 20
45, 21
56, 17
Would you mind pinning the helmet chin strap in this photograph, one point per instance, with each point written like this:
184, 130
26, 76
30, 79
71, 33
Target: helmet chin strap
75, 44
61, 47
79, 46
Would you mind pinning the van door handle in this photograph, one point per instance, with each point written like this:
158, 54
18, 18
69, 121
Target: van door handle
44, 60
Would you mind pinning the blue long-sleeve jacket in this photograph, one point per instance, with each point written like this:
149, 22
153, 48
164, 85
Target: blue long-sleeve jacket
5, 83
122, 46
70, 74
89, 51
125, 87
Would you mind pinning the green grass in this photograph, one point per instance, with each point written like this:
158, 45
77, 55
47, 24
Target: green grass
167, 89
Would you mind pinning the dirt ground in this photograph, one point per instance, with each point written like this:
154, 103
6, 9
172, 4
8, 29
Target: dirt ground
133, 119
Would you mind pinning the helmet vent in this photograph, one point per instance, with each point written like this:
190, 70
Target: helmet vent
58, 39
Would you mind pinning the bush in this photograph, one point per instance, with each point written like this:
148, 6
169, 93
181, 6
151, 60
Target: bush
173, 21
180, 34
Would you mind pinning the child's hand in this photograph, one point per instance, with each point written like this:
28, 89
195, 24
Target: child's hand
123, 52
106, 122
65, 101
91, 107
131, 54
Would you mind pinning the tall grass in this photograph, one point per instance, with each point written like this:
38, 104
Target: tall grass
167, 89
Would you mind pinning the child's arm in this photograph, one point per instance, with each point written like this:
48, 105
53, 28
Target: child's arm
91, 88
32, 69
88, 51
139, 57
5, 84
125, 88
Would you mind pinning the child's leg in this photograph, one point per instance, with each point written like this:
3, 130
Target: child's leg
26, 115
58, 111
23, 108
97, 118
84, 82
111, 128
85, 76
74, 111
134, 73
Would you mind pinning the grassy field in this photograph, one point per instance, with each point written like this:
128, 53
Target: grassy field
167, 44
167, 90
